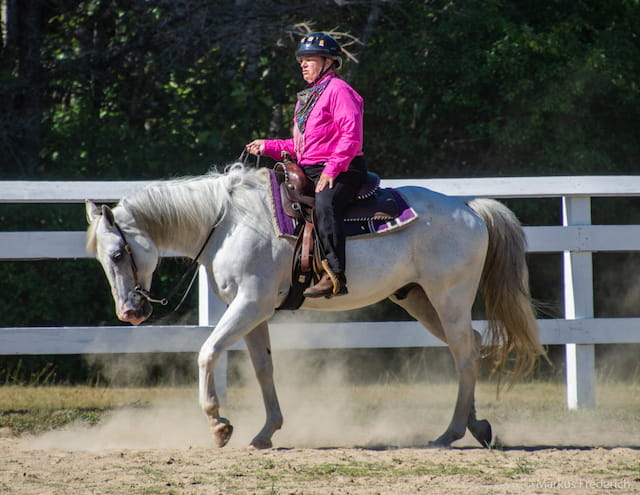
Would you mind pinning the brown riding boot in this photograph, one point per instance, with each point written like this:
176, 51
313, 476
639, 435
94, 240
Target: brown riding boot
325, 287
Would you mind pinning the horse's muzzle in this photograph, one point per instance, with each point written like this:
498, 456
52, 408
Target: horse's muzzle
136, 310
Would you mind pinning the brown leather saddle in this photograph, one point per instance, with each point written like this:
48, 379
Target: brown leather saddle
298, 200
298, 196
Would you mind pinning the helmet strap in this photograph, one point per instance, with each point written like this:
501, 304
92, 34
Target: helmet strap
324, 70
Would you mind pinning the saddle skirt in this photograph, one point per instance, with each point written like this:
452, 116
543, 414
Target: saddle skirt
375, 210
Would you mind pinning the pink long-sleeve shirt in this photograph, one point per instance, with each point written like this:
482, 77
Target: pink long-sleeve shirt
333, 133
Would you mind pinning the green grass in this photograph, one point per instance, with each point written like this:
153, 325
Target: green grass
38, 421
34, 409
522, 467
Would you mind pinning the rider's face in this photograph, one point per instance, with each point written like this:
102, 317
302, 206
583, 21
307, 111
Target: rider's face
312, 67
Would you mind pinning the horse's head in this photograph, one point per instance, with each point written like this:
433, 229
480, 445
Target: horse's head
128, 257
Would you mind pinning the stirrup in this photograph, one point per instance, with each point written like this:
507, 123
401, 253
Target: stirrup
338, 287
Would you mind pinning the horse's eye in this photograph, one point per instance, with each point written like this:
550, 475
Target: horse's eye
117, 256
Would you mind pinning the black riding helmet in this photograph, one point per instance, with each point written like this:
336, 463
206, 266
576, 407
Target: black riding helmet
320, 44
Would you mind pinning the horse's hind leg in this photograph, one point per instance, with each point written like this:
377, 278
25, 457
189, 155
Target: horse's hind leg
461, 340
465, 349
479, 428
414, 301
260, 351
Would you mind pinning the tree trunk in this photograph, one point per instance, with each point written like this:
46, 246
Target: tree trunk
21, 93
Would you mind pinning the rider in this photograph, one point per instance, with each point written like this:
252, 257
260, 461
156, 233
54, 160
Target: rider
327, 143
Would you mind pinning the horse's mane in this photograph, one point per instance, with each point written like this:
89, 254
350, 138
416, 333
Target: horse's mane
91, 239
195, 203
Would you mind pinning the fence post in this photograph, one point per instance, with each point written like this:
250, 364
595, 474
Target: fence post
210, 309
578, 303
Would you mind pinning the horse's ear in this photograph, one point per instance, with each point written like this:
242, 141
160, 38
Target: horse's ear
107, 214
92, 211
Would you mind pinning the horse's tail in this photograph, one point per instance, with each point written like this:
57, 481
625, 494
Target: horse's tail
512, 327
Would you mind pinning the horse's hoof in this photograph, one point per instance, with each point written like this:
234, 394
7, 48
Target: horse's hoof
261, 443
481, 431
221, 430
437, 444
445, 440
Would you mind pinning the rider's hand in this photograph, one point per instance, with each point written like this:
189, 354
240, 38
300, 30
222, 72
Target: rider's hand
324, 181
255, 147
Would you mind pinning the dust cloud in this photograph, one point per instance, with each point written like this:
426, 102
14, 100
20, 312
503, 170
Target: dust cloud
321, 410
325, 405
319, 407
165, 424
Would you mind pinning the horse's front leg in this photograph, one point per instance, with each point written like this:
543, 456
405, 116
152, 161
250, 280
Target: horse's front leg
240, 317
259, 348
221, 428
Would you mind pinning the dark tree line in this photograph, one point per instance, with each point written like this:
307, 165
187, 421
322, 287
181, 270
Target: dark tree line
129, 88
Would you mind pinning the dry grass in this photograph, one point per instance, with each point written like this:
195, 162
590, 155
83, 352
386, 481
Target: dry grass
79, 397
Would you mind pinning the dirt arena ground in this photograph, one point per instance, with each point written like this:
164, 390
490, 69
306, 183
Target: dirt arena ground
201, 470
339, 440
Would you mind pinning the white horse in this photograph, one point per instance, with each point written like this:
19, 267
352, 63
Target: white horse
432, 268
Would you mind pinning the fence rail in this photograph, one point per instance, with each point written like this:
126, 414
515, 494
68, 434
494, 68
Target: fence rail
579, 331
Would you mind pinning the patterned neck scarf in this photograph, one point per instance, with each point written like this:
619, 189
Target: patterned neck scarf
307, 99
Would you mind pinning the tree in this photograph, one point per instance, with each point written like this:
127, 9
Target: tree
138, 89
487, 88
21, 84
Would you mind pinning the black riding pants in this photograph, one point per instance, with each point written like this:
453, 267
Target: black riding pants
330, 206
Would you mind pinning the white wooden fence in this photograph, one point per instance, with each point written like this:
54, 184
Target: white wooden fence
579, 331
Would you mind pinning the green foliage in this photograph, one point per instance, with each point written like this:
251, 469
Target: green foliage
451, 88
484, 88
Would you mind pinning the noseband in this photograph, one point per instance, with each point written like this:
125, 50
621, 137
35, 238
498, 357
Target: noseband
138, 289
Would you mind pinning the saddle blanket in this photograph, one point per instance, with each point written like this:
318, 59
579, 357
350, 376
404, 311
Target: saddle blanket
362, 225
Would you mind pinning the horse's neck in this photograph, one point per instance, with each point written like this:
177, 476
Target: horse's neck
177, 224
180, 215
182, 240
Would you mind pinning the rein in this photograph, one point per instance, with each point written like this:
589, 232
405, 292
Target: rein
244, 159
145, 293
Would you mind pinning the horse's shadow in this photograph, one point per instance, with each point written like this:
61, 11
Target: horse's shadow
536, 448
501, 448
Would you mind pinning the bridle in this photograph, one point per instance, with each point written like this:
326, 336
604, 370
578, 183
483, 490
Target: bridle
138, 289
